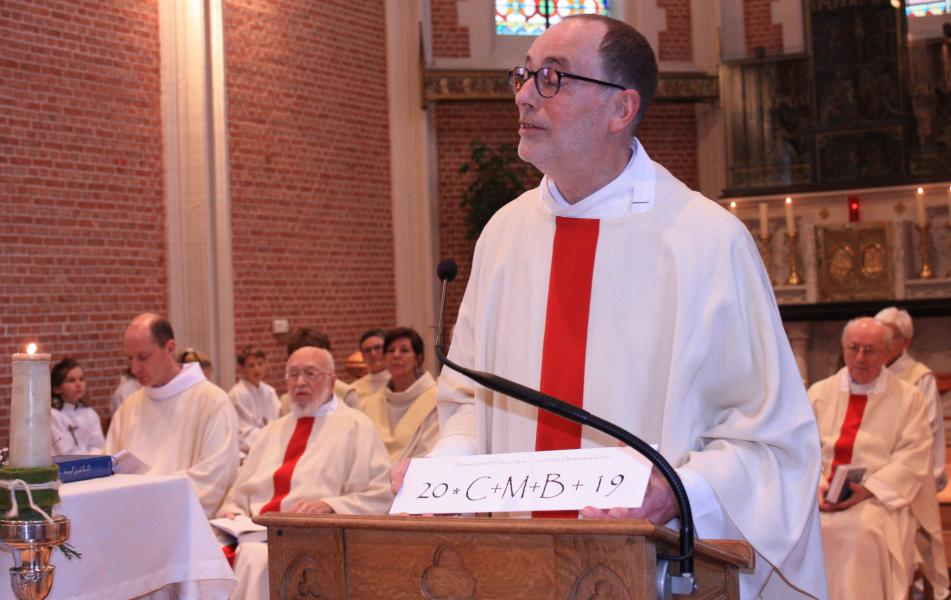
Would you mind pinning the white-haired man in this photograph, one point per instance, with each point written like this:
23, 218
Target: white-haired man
323, 457
869, 418
906, 368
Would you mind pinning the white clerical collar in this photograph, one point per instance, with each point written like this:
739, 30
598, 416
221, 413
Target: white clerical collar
846, 384
324, 409
190, 375
629, 193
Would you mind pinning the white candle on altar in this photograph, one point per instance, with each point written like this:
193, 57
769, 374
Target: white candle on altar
790, 222
920, 205
763, 222
30, 410
733, 207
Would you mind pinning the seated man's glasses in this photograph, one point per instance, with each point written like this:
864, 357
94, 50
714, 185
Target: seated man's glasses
548, 80
308, 374
868, 350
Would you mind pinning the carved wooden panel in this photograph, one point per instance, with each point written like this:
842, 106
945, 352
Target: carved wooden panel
497, 559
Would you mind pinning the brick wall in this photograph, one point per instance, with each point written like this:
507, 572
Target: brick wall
81, 169
676, 41
309, 160
669, 133
761, 32
449, 39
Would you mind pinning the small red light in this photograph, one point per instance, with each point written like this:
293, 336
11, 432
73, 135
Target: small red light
853, 210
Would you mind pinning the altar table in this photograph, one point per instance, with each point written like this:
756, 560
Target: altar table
138, 534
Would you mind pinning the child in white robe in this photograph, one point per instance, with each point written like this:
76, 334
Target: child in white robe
74, 427
255, 401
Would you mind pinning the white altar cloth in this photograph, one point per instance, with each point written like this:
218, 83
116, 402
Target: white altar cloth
139, 535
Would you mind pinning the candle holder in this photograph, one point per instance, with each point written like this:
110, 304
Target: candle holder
925, 272
31, 543
766, 254
948, 227
794, 278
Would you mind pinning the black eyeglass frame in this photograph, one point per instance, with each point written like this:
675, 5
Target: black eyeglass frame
529, 74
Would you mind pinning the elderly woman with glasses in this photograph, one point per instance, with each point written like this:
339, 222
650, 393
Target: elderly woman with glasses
404, 410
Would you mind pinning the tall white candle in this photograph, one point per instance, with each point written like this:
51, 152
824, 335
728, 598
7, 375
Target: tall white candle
763, 222
920, 205
30, 411
790, 222
733, 206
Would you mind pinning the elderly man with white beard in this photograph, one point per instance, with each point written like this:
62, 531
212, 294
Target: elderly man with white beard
323, 457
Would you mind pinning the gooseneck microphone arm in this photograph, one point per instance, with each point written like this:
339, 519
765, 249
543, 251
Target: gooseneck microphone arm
446, 271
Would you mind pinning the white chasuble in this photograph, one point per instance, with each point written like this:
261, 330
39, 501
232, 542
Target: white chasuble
683, 347
407, 420
869, 548
186, 427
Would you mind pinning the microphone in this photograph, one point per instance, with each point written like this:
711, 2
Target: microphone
682, 584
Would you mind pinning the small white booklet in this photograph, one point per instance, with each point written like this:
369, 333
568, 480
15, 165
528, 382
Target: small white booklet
839, 489
241, 528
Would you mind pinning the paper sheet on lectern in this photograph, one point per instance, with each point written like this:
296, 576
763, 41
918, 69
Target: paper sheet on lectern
524, 481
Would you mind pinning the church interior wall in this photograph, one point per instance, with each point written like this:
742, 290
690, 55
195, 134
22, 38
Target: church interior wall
309, 172
83, 234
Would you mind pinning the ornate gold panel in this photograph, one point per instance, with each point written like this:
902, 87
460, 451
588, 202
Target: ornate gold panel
855, 262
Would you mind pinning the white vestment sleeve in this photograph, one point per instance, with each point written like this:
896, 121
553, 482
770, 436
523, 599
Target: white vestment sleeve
217, 464
367, 489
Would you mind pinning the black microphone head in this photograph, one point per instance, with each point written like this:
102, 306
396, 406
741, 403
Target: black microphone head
447, 270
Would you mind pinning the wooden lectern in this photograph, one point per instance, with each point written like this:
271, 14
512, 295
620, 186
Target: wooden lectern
341, 557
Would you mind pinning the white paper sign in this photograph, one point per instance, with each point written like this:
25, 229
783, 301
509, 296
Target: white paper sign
524, 481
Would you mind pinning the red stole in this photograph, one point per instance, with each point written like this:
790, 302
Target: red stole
566, 333
850, 428
282, 475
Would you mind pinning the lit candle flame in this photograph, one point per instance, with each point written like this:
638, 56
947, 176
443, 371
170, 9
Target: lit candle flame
788, 200
732, 204
31, 348
921, 190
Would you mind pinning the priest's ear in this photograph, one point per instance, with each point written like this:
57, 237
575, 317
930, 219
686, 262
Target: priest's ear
170, 347
625, 107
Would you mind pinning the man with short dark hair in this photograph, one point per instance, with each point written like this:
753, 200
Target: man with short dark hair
371, 347
178, 422
255, 402
615, 287
870, 419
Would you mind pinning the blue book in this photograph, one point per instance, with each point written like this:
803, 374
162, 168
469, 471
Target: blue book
77, 467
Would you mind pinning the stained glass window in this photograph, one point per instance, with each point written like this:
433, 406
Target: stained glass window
915, 8
532, 17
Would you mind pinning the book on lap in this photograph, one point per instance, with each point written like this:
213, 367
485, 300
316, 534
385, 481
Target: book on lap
241, 528
839, 489
79, 467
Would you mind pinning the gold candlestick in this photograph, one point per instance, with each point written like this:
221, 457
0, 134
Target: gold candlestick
948, 226
925, 272
794, 278
766, 254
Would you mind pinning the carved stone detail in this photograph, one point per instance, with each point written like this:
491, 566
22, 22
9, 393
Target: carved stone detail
441, 86
306, 579
448, 578
598, 582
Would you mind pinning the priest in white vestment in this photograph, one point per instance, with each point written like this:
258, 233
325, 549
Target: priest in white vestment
324, 457
254, 400
906, 368
615, 287
309, 336
869, 418
179, 423
371, 347
404, 410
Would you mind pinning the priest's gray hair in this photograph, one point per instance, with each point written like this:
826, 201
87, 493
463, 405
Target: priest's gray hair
887, 335
898, 318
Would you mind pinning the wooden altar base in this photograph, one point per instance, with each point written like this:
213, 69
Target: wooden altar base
338, 557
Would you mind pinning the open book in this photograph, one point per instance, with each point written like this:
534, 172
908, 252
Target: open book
839, 489
241, 528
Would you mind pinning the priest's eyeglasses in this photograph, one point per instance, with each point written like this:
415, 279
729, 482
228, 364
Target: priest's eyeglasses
868, 350
548, 80
308, 374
